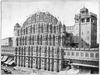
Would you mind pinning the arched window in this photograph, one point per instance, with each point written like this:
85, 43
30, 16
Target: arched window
91, 54
50, 39
58, 52
19, 50
54, 40
16, 55
26, 30
77, 53
20, 41
26, 40
33, 28
29, 56
60, 28
57, 29
49, 51
97, 55
82, 20
42, 28
23, 40
68, 53
45, 49
40, 49
33, 40
34, 49
37, 50
86, 54
24, 51
29, 51
52, 52
47, 28
38, 39
16, 51
39, 28
88, 20
54, 29
64, 28
21, 31
72, 53
50, 28
30, 40
41, 40
59, 40
18, 32
17, 41
82, 54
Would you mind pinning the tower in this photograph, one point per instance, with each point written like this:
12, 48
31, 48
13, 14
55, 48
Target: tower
16, 32
16, 27
88, 24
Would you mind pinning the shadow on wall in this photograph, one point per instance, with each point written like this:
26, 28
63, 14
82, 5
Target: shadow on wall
73, 41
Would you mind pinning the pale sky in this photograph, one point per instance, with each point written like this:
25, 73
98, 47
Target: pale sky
18, 12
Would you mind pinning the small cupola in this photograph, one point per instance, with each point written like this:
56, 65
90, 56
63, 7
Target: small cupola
16, 26
83, 10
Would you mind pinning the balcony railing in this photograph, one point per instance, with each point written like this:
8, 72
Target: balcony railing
82, 54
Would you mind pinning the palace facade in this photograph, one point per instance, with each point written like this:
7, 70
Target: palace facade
40, 42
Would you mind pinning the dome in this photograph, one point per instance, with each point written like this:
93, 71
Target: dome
17, 25
83, 10
41, 17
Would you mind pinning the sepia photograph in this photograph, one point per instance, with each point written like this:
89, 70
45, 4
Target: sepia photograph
50, 37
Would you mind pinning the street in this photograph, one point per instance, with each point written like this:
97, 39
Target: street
20, 71
12, 70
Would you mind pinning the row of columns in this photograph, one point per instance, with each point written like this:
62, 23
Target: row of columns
41, 28
49, 64
24, 56
40, 40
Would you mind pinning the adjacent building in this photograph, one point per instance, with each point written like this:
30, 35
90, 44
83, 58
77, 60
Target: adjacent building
86, 24
40, 42
7, 51
7, 41
86, 56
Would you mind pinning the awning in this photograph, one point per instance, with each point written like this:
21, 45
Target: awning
9, 59
72, 71
4, 58
10, 63
87, 65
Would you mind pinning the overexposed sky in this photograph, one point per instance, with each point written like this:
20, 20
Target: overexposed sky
18, 12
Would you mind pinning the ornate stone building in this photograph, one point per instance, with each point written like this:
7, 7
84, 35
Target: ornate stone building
40, 42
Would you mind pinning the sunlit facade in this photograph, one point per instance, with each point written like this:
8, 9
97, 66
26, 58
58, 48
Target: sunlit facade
40, 42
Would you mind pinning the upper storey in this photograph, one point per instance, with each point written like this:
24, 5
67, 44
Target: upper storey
40, 17
17, 26
40, 22
85, 14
